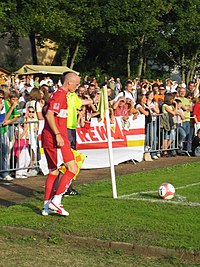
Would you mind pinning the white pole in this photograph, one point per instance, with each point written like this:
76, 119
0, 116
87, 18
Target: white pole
110, 151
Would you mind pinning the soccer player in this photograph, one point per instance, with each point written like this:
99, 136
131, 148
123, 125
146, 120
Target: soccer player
57, 147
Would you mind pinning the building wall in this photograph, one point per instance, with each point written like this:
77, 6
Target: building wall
45, 55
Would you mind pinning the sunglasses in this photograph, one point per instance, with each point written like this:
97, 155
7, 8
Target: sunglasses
31, 111
1, 97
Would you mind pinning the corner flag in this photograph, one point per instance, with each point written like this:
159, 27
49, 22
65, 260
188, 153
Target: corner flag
104, 113
103, 103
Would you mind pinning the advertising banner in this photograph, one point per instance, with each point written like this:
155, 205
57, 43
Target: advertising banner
128, 139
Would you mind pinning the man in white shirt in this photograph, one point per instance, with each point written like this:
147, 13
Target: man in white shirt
128, 93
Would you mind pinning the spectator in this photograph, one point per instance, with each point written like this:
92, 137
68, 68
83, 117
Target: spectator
81, 91
8, 115
4, 140
180, 132
159, 98
111, 83
36, 82
127, 93
21, 151
118, 87
121, 109
132, 111
187, 108
44, 81
35, 101
152, 126
191, 87
143, 110
32, 135
91, 90
169, 136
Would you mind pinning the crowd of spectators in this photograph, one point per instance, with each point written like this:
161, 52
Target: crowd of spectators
167, 105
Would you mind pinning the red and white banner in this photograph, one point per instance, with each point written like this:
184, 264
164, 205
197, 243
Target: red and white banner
127, 144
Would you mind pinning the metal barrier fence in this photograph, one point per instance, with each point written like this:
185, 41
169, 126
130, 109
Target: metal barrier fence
19, 146
162, 137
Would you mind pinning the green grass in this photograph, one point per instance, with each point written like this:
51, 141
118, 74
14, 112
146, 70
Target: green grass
34, 252
96, 214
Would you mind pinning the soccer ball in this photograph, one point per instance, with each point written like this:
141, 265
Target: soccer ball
166, 191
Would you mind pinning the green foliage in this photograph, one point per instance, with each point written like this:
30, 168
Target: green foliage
156, 31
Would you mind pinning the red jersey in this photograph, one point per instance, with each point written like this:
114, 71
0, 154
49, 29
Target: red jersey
196, 110
58, 105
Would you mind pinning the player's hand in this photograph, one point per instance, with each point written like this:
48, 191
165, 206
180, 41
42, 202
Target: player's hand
59, 140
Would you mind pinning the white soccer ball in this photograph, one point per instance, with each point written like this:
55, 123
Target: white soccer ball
166, 191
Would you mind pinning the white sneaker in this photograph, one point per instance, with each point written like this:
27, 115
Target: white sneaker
46, 212
31, 173
58, 208
20, 176
155, 157
8, 178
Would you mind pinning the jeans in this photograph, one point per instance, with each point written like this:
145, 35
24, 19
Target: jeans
186, 142
4, 155
151, 136
180, 134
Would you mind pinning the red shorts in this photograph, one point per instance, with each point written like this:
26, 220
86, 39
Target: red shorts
57, 156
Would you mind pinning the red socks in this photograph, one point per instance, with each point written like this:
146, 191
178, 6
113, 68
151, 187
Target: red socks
50, 186
64, 182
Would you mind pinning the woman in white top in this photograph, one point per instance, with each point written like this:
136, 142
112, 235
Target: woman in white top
37, 104
152, 126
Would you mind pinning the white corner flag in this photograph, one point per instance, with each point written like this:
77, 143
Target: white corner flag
104, 113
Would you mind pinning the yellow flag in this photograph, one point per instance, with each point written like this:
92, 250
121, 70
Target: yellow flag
79, 159
103, 103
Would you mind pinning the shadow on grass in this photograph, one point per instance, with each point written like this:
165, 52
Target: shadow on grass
19, 189
32, 207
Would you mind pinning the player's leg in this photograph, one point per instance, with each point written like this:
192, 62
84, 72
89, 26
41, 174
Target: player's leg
52, 177
64, 181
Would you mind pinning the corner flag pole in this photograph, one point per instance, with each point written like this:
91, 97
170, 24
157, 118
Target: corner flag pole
103, 108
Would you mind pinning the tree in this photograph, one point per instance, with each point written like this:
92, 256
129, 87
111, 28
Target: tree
136, 22
183, 37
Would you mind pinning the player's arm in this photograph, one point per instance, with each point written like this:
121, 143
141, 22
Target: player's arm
51, 121
87, 101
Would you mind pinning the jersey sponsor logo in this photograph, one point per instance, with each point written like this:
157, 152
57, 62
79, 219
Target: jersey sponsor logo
63, 113
56, 106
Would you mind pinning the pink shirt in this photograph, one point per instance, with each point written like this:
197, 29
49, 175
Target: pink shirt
121, 111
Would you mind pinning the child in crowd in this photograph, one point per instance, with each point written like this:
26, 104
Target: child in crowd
31, 116
21, 151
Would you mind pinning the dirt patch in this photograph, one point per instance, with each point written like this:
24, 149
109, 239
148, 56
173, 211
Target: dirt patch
20, 189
